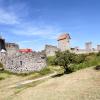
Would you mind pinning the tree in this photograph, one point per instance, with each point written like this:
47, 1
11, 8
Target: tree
51, 60
79, 58
64, 59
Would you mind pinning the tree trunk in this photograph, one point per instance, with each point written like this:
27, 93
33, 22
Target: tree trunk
67, 70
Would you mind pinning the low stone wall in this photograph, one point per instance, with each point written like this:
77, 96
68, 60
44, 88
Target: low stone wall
25, 62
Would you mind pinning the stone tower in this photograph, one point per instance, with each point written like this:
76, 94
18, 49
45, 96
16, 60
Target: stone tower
88, 46
98, 47
64, 42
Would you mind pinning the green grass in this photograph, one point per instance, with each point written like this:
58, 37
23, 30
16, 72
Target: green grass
93, 61
23, 87
4, 75
32, 75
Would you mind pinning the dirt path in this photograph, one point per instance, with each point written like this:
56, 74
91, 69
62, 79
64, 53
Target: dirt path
30, 81
81, 85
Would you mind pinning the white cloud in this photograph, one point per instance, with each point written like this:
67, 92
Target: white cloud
8, 17
45, 31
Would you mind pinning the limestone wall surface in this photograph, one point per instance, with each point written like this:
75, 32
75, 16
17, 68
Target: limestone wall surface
25, 62
11, 48
50, 50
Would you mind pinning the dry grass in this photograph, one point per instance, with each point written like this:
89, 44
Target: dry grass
80, 85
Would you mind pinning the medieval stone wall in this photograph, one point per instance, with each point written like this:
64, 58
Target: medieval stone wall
25, 62
50, 50
3, 57
11, 48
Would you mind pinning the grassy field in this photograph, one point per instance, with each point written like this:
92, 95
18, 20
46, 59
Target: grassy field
81, 85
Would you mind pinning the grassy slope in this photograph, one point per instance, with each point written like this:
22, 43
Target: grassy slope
81, 85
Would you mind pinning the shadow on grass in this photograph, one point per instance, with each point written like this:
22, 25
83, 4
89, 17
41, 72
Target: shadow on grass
97, 67
58, 75
67, 71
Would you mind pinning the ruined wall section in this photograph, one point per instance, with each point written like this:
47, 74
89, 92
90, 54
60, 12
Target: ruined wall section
50, 50
3, 58
11, 48
25, 62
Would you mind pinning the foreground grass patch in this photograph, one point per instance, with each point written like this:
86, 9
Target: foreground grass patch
4, 75
23, 87
32, 75
93, 61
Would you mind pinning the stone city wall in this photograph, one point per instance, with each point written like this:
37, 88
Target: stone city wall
25, 62
50, 50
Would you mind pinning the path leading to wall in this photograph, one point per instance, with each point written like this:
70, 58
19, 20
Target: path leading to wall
81, 85
30, 81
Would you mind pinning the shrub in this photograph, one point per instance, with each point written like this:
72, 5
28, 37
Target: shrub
98, 54
45, 71
51, 60
80, 58
92, 54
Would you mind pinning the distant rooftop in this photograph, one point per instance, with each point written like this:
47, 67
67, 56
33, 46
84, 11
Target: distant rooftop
25, 50
64, 36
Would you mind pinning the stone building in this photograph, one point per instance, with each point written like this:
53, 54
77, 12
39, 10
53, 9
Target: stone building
88, 46
98, 47
64, 42
50, 50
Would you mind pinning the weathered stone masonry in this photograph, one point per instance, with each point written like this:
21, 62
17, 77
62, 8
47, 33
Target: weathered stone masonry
17, 61
25, 62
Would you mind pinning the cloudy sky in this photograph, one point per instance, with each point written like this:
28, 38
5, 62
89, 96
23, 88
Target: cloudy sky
34, 23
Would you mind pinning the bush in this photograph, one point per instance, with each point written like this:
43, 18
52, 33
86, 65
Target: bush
80, 58
72, 62
2, 78
51, 60
45, 71
98, 54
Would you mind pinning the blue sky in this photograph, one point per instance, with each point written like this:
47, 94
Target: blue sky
34, 23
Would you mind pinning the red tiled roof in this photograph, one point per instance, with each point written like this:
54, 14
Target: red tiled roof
25, 50
64, 36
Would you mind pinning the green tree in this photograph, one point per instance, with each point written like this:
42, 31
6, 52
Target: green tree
51, 60
79, 58
64, 59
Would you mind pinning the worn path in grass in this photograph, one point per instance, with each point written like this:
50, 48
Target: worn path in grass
80, 85
30, 81
14, 84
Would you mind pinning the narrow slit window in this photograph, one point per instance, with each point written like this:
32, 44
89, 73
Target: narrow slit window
21, 62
